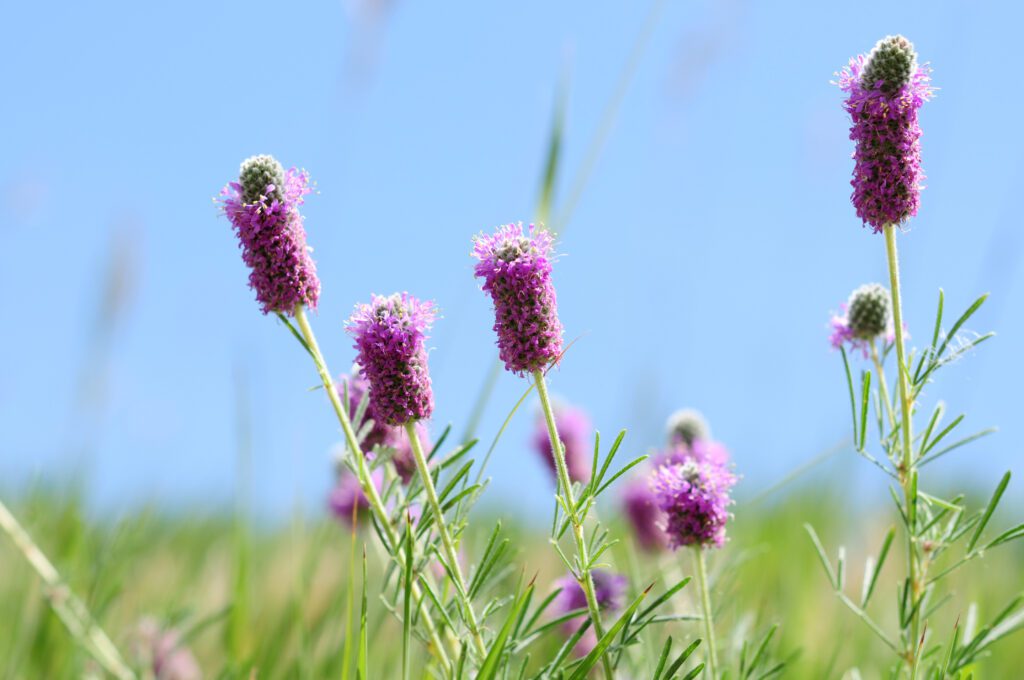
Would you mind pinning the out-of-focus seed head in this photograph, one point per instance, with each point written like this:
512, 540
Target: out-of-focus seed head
686, 426
868, 311
890, 64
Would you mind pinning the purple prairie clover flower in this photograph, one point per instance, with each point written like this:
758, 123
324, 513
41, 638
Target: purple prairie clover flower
390, 336
516, 270
884, 91
645, 517
574, 431
694, 496
347, 497
263, 207
609, 589
162, 653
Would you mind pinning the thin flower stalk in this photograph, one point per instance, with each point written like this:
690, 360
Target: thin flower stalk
363, 472
907, 466
585, 576
700, 566
450, 552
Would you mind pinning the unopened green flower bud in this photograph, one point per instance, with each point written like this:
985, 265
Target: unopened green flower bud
890, 64
256, 174
868, 311
687, 426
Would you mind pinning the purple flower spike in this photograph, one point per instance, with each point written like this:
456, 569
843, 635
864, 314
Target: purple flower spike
516, 269
263, 207
574, 430
694, 496
390, 335
609, 589
347, 496
641, 506
885, 90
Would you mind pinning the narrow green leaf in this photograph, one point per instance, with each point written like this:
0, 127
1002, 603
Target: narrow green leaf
606, 640
489, 669
993, 502
822, 556
849, 384
869, 585
865, 391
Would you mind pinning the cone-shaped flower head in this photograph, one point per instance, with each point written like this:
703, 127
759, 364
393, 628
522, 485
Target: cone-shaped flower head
866, 316
695, 498
574, 431
516, 270
885, 90
390, 336
609, 589
686, 426
347, 498
645, 517
263, 207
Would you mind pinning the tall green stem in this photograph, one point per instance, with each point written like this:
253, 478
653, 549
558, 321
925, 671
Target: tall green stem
585, 577
700, 567
363, 471
907, 468
451, 554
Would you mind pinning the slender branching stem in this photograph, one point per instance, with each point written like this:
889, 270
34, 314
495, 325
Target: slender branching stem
585, 578
883, 386
907, 469
65, 604
700, 567
450, 553
363, 474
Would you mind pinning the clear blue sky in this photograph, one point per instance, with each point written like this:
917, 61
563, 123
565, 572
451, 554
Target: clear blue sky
699, 269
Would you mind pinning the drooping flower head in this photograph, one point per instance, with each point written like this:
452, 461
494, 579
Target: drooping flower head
516, 269
645, 517
885, 90
686, 426
263, 207
574, 431
390, 336
347, 499
609, 589
865, 317
694, 496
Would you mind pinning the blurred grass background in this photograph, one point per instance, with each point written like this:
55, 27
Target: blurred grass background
273, 599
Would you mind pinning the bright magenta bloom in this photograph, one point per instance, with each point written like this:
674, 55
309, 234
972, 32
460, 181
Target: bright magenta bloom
516, 270
263, 207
